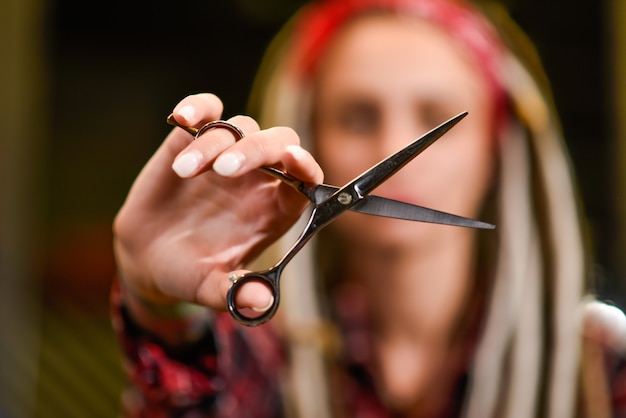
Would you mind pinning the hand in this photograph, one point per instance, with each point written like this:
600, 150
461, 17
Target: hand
199, 210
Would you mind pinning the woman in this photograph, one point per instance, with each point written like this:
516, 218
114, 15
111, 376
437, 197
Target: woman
381, 317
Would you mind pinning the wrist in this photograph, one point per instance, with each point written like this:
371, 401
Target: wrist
174, 322
165, 309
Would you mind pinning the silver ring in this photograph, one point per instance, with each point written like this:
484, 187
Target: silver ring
221, 124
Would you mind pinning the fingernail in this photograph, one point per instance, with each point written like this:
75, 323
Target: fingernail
296, 151
228, 164
187, 112
187, 164
269, 305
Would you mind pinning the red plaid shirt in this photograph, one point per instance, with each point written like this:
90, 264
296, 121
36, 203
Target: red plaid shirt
234, 372
233, 375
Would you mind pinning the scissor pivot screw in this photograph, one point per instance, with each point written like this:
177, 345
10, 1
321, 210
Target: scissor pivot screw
344, 198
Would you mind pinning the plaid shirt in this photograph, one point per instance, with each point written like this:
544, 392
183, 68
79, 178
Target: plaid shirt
230, 376
234, 372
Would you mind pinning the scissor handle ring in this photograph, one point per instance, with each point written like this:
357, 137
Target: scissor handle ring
237, 282
221, 124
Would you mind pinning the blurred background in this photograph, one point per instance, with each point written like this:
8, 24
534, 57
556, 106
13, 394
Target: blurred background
84, 91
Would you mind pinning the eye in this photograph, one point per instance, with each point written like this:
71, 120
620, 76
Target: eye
432, 114
358, 118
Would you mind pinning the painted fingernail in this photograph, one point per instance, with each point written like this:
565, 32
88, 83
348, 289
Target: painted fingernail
228, 164
187, 112
264, 309
187, 164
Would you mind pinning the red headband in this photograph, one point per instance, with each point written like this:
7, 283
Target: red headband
317, 24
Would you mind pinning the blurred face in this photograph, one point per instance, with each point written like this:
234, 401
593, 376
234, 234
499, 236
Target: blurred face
383, 82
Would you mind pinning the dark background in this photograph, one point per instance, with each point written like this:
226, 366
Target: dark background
116, 69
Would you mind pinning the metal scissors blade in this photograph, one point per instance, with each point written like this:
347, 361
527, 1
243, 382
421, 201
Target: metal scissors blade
389, 208
376, 175
377, 205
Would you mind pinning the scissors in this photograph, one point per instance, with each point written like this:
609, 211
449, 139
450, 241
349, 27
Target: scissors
330, 201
